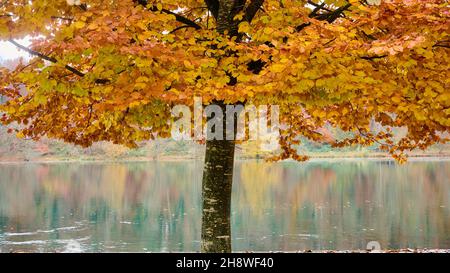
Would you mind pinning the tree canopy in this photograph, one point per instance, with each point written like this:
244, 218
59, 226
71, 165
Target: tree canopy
112, 70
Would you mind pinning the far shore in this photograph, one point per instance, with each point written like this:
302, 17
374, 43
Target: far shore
313, 158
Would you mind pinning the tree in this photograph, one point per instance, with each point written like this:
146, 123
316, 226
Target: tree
112, 70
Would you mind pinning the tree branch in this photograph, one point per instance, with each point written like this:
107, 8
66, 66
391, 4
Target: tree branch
444, 44
302, 26
318, 5
53, 60
213, 7
238, 7
370, 58
316, 10
178, 28
178, 17
330, 16
62, 18
335, 14
252, 9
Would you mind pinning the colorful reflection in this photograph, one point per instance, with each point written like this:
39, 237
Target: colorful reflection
156, 206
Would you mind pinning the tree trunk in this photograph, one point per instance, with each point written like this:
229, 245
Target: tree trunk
219, 159
217, 186
216, 189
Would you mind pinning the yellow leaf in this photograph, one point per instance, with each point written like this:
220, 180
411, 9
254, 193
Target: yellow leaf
244, 27
419, 115
396, 99
142, 79
277, 68
444, 98
92, 26
188, 64
140, 85
238, 17
319, 113
360, 73
79, 24
268, 30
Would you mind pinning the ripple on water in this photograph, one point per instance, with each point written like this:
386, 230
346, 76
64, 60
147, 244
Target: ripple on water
37, 232
42, 239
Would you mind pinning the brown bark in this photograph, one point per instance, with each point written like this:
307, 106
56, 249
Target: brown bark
219, 158
216, 188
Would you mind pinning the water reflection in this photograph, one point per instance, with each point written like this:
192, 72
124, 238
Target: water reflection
278, 206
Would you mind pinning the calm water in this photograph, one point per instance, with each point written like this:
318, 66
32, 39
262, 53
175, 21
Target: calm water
156, 207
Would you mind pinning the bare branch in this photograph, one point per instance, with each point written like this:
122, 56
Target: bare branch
444, 44
54, 60
335, 14
178, 28
252, 9
316, 10
213, 7
178, 17
318, 5
370, 58
62, 18
330, 16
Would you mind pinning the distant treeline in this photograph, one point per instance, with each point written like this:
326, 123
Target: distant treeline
15, 149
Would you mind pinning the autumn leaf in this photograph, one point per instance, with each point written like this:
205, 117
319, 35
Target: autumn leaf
123, 66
